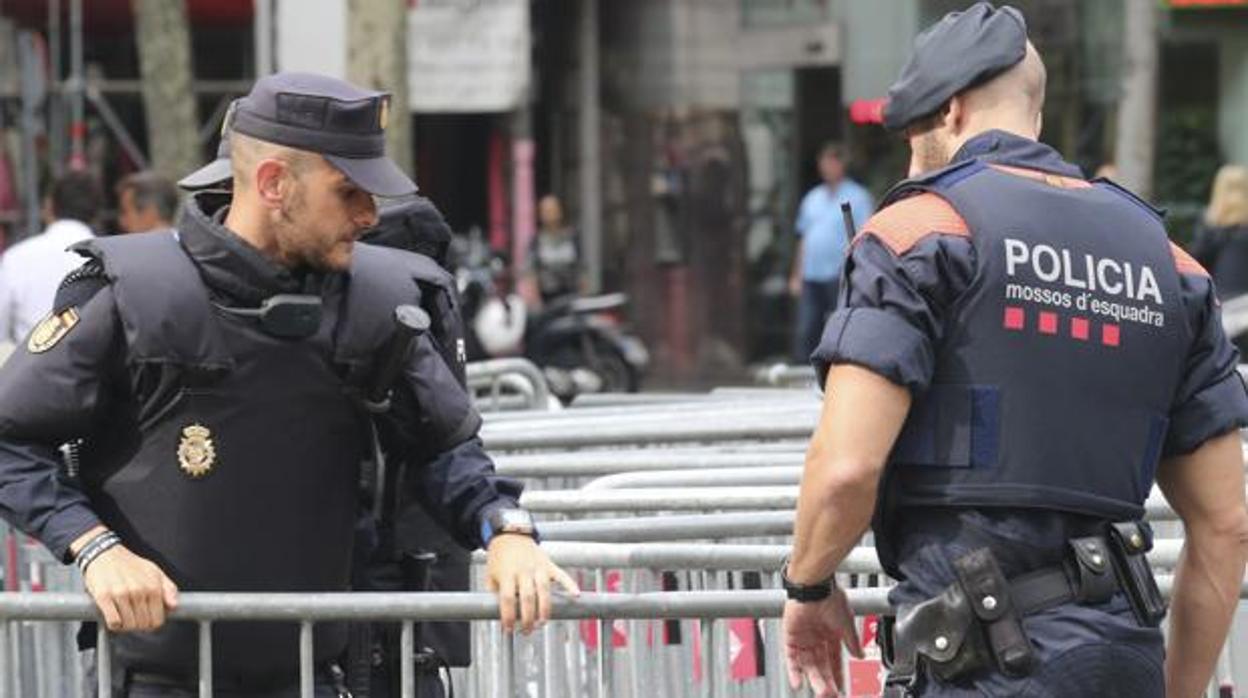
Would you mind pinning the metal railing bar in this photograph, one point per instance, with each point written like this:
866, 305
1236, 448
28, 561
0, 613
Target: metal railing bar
103, 660
407, 668
713, 498
306, 675
599, 465
686, 556
433, 606
7, 673
205, 659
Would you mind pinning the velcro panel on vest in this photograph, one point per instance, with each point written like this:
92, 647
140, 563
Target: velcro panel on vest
954, 426
164, 308
381, 279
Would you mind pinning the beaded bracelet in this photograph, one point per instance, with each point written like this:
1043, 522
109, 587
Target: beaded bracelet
94, 548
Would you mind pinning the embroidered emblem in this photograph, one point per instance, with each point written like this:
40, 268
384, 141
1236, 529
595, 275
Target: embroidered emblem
51, 330
196, 453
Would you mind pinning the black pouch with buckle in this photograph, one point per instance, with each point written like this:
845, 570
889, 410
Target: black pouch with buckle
988, 594
1128, 544
1091, 570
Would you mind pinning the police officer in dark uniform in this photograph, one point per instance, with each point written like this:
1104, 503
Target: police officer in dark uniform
223, 382
399, 546
1019, 354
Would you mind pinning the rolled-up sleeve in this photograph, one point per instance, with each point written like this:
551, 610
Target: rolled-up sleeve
894, 297
1211, 400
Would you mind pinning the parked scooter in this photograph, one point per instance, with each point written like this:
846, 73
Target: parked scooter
579, 342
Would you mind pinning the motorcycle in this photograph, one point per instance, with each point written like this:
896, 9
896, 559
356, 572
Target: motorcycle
580, 342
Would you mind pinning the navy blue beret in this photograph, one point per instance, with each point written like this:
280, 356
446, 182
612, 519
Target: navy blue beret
960, 51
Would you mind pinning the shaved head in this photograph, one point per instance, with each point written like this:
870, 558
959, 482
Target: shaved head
247, 152
1019, 91
1011, 101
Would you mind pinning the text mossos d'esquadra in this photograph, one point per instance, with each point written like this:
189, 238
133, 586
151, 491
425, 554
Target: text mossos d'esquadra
1116, 289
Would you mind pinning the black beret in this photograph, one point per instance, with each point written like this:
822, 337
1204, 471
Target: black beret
960, 51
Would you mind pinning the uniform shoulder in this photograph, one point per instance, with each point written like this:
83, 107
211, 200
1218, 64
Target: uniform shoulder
903, 224
1185, 263
80, 286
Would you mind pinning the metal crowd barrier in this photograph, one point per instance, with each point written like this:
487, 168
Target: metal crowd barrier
405, 609
512, 383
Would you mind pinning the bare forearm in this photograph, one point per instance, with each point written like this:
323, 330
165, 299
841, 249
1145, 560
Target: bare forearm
832, 515
1206, 593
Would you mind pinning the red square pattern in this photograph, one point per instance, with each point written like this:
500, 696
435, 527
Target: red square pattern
1048, 323
1015, 319
1079, 328
1109, 335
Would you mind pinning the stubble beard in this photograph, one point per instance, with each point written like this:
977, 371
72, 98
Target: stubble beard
930, 153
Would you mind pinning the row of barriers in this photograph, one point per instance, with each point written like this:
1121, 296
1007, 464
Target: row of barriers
673, 511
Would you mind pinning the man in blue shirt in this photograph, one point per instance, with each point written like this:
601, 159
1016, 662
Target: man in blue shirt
821, 243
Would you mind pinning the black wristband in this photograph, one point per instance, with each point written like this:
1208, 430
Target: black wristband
94, 548
806, 593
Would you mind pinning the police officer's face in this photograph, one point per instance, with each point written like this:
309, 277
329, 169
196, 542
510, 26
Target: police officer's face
323, 215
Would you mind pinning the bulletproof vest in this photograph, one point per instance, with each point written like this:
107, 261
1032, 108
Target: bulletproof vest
1058, 364
244, 478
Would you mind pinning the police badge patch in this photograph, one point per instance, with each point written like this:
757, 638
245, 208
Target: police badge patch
51, 330
196, 453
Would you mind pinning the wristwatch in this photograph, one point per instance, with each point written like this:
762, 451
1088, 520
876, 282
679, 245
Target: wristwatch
507, 520
806, 593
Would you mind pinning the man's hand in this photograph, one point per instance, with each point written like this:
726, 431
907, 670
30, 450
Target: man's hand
517, 569
132, 593
813, 634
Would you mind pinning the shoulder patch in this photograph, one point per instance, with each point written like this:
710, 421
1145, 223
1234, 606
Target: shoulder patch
902, 225
1185, 263
51, 330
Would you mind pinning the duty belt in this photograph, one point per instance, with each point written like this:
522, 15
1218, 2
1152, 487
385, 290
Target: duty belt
975, 623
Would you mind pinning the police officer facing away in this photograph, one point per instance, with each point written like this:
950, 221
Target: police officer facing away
1034, 353
217, 380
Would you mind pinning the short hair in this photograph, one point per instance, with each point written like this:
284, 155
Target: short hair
834, 149
76, 195
149, 188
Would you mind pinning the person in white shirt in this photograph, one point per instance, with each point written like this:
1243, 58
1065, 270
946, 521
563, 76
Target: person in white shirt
32, 270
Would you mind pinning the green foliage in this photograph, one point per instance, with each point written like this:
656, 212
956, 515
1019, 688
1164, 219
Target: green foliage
1187, 159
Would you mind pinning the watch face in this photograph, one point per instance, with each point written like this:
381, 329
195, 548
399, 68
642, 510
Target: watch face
516, 519
512, 521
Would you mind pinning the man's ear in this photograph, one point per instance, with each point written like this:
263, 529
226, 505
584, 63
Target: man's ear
955, 116
270, 178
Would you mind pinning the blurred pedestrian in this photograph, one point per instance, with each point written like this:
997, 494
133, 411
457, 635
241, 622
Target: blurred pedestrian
821, 243
554, 262
1221, 241
146, 202
31, 270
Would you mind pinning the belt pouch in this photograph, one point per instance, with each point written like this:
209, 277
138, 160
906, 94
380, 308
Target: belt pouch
1091, 570
1128, 543
988, 595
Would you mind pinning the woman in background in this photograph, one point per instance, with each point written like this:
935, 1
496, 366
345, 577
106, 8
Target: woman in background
1221, 244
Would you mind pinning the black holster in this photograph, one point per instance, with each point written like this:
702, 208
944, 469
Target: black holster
1128, 544
969, 627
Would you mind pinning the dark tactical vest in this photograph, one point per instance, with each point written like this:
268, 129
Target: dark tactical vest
244, 472
1060, 361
